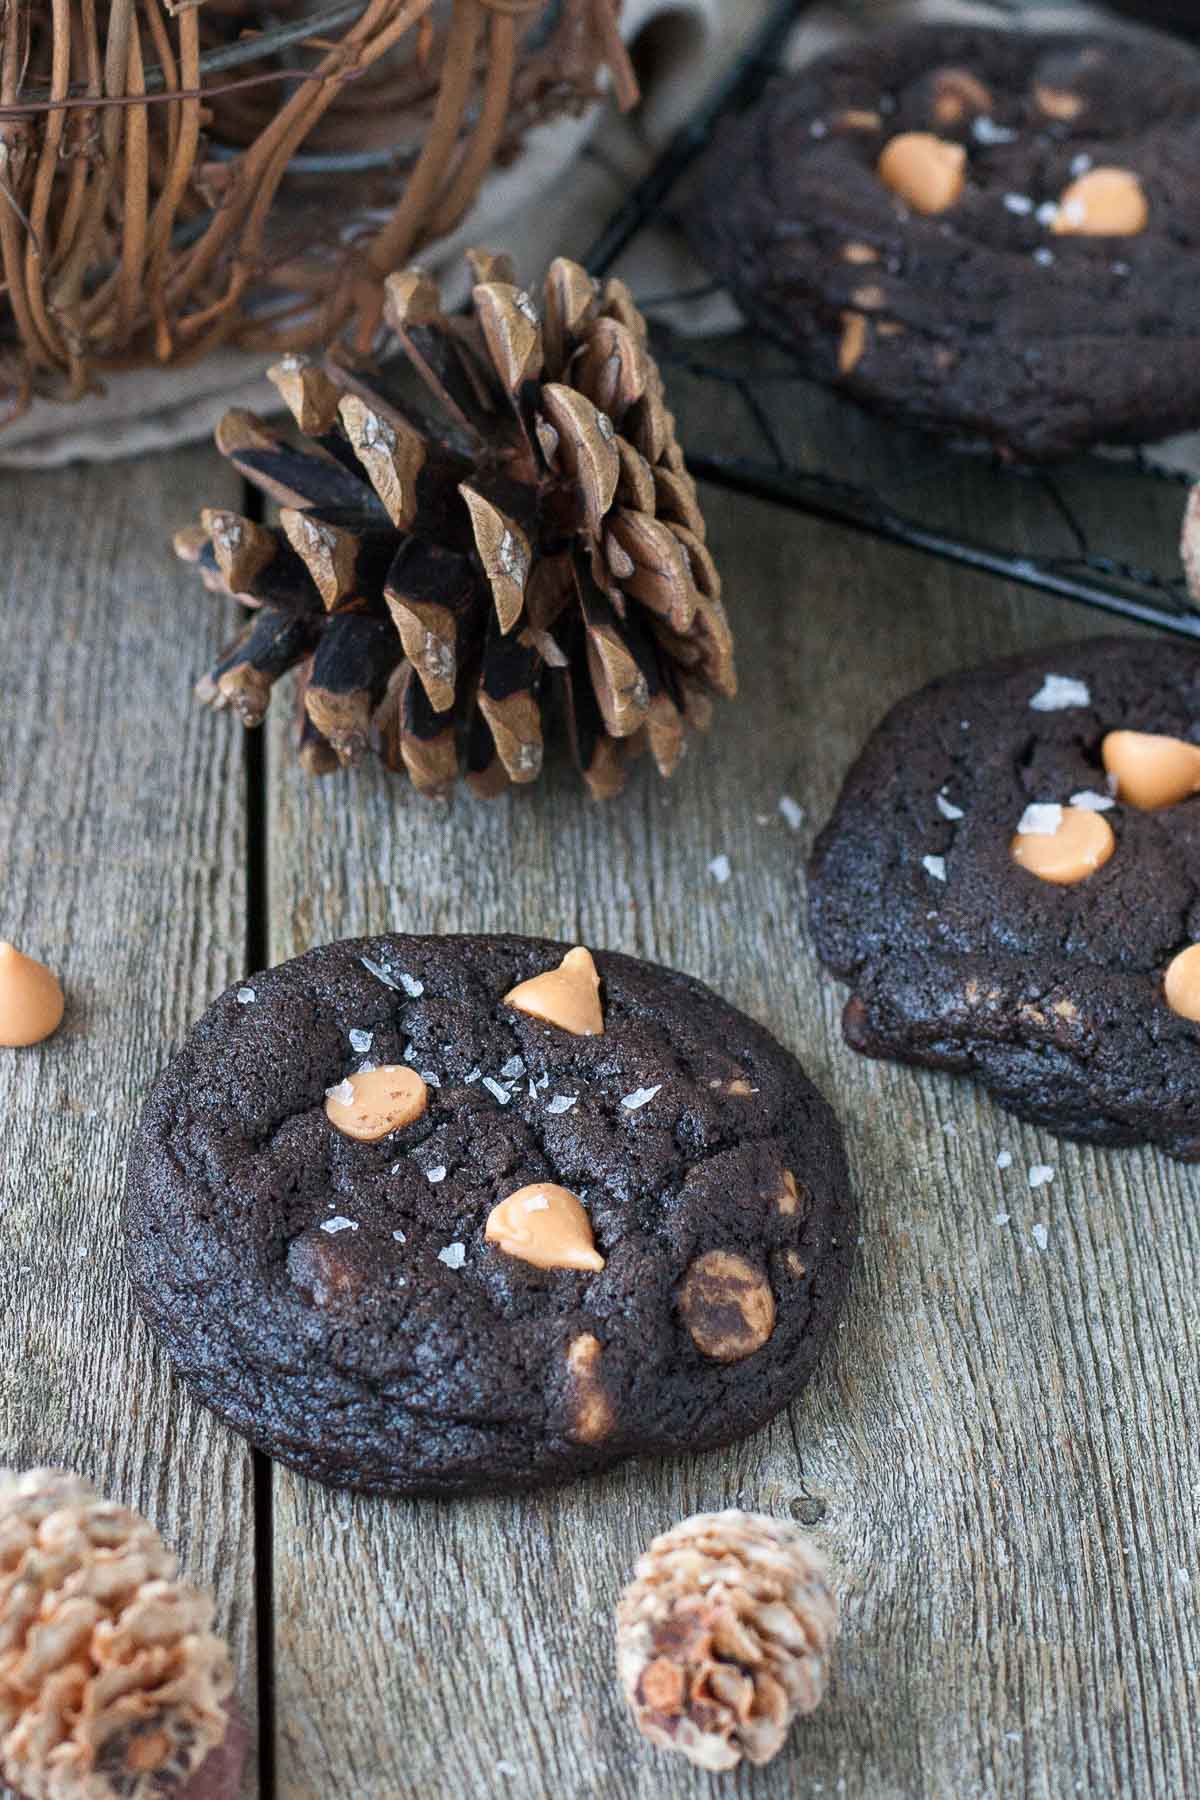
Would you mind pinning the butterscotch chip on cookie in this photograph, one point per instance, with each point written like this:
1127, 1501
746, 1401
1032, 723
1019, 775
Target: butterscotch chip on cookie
438, 1215
1008, 886
1028, 206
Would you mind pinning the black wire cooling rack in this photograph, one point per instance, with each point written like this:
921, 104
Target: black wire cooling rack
914, 484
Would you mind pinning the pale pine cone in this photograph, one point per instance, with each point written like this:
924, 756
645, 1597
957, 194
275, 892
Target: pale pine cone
112, 1686
724, 1635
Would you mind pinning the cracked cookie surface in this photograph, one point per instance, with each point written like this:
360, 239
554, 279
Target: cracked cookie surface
336, 1299
907, 212
1051, 995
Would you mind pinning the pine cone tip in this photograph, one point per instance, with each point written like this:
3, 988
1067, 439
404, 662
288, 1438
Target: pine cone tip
724, 1636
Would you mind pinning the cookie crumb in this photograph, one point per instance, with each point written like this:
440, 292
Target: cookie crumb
454, 1255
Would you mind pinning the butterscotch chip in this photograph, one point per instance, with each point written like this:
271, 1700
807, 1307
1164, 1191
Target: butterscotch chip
593, 1409
31, 1000
1102, 203
1181, 983
374, 1102
870, 298
956, 94
854, 341
1081, 843
545, 1225
1058, 103
927, 172
789, 1195
727, 1305
1151, 770
568, 996
859, 253
859, 118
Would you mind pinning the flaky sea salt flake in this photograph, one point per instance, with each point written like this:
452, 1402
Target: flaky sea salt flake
1018, 203
471, 1076
454, 1255
338, 1223
361, 1040
1088, 800
379, 972
986, 131
496, 1090
400, 1237
1040, 1235
947, 808
561, 1103
537, 1203
1040, 819
246, 996
640, 1097
793, 812
935, 866
436, 1175
1004, 1159
719, 869
513, 1067
1040, 1174
412, 987
1058, 692
342, 1092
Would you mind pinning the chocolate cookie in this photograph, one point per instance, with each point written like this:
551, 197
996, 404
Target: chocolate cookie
436, 1215
991, 233
1010, 884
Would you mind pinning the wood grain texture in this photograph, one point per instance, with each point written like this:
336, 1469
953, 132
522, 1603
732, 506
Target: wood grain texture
123, 856
997, 1454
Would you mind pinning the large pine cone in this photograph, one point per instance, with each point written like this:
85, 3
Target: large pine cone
447, 583
724, 1637
112, 1686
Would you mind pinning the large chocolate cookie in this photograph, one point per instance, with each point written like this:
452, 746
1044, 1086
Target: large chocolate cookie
997, 912
616, 1220
991, 233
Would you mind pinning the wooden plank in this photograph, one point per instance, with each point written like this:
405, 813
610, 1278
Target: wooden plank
122, 825
996, 1454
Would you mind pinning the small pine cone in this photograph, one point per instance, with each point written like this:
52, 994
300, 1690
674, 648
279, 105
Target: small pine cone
453, 581
724, 1635
112, 1686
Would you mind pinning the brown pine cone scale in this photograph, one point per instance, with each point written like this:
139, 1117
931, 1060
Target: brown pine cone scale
452, 577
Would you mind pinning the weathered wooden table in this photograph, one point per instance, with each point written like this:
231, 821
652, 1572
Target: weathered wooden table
999, 1454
